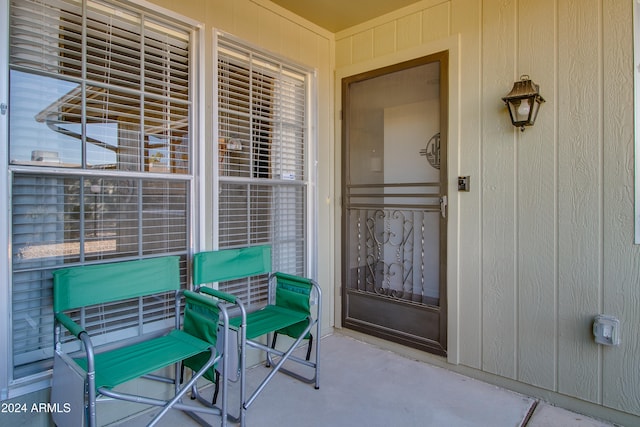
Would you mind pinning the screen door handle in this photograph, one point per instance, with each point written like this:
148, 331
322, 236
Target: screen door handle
443, 206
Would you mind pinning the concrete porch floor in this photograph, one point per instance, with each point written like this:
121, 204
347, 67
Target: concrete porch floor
362, 385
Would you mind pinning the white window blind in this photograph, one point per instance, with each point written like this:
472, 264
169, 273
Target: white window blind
109, 92
99, 153
262, 151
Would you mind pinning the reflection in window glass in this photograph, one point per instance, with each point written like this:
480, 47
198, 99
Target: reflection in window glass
33, 128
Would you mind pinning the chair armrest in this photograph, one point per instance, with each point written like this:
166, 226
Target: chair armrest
218, 294
199, 299
315, 293
83, 336
69, 324
318, 302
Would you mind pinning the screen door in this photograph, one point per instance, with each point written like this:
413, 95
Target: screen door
395, 204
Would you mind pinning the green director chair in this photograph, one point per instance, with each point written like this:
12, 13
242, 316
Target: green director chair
289, 311
82, 376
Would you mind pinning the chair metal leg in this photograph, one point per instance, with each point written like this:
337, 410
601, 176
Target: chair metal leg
273, 345
279, 366
216, 389
309, 347
175, 401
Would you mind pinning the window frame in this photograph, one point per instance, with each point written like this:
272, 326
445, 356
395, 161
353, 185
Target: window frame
11, 387
5, 290
308, 182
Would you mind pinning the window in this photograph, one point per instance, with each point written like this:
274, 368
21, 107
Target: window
100, 103
263, 157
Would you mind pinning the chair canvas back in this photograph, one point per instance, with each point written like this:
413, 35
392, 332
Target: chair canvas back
96, 284
229, 264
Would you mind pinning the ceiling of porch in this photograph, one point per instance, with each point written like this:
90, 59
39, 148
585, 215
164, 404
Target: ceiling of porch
336, 15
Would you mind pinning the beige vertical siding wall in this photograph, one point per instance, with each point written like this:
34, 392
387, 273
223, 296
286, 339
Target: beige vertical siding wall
546, 234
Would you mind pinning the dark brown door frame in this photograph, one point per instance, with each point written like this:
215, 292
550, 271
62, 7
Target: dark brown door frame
438, 346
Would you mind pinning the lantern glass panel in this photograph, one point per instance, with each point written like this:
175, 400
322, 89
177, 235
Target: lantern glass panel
534, 111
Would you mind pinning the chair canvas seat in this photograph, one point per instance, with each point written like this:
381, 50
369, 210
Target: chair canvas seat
268, 319
124, 364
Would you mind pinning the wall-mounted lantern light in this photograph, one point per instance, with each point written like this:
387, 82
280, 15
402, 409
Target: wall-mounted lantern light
524, 102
